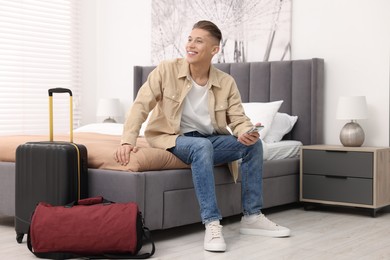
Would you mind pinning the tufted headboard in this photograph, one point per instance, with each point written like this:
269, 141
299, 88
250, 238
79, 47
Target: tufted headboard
299, 83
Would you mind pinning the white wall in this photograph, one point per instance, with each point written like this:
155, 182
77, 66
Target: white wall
352, 36
89, 60
118, 39
354, 39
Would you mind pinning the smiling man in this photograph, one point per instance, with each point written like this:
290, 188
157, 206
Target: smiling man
193, 103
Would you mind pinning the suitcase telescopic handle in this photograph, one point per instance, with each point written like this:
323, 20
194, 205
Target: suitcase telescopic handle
60, 90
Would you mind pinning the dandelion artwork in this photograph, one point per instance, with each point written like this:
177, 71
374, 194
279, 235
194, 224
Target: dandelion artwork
252, 30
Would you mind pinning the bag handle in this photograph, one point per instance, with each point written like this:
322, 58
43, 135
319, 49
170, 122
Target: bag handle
60, 90
92, 201
89, 202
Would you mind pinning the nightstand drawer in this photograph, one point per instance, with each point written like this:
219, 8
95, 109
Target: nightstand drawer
330, 188
338, 163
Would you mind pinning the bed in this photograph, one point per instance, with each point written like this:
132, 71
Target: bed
164, 190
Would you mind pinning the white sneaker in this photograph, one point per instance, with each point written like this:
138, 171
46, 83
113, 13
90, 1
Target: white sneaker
213, 239
262, 226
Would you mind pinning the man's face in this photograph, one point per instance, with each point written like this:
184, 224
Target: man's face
201, 47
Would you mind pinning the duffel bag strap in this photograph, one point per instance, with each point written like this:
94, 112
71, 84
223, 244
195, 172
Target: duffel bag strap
147, 238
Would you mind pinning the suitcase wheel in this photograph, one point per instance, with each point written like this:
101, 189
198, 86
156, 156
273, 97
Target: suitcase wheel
19, 237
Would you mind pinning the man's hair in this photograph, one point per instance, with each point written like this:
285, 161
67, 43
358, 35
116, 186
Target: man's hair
210, 27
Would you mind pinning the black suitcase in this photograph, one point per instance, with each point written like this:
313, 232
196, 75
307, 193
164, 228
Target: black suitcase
52, 172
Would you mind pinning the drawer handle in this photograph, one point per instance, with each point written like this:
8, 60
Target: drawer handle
336, 177
335, 151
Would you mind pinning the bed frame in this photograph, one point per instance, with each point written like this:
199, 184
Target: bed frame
167, 198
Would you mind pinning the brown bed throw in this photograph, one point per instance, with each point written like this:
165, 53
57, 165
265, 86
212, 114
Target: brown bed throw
101, 150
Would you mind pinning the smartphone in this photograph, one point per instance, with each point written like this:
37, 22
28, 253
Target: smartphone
256, 129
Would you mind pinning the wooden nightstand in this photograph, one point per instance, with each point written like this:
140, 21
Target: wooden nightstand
348, 176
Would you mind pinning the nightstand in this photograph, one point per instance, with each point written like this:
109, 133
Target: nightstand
347, 176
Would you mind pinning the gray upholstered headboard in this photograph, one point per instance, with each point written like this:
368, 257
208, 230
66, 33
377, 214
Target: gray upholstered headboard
299, 83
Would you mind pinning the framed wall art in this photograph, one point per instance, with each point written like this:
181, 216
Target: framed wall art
252, 30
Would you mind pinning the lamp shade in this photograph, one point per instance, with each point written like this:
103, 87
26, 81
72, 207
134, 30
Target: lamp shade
108, 107
352, 108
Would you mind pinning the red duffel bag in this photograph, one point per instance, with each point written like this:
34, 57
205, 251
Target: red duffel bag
92, 227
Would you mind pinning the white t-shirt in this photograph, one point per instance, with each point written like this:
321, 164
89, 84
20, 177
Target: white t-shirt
196, 116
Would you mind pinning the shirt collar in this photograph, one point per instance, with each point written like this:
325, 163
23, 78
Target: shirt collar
184, 72
213, 77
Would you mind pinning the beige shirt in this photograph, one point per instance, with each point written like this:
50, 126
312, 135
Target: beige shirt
165, 90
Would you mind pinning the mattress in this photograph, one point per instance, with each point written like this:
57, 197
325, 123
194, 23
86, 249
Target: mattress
281, 150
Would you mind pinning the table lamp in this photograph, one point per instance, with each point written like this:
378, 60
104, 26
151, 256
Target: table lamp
109, 108
352, 108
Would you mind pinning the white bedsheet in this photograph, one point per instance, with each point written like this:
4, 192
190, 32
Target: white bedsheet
281, 150
271, 151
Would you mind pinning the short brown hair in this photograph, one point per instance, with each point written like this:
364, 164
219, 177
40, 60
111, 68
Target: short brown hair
210, 27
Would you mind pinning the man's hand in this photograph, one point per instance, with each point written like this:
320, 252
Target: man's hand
249, 138
122, 154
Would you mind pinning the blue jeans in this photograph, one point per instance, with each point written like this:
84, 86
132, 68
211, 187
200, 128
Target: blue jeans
203, 152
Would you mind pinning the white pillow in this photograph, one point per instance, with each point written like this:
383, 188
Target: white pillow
262, 112
282, 124
101, 128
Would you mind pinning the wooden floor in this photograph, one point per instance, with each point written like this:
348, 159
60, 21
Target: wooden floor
320, 233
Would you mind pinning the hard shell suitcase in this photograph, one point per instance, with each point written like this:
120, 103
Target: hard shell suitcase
49, 171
